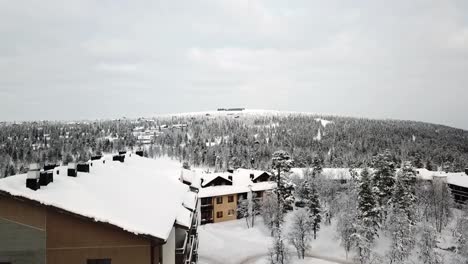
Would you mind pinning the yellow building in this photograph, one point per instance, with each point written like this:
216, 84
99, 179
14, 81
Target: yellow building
220, 193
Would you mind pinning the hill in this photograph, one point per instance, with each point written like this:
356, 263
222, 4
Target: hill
222, 139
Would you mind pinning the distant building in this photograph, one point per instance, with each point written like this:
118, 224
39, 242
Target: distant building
220, 193
115, 213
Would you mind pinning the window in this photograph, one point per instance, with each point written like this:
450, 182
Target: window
231, 212
219, 214
98, 261
230, 198
219, 200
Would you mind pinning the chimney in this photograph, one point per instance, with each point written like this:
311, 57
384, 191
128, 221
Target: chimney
83, 167
466, 171
46, 177
230, 177
230, 170
139, 153
49, 166
96, 157
251, 176
32, 180
201, 182
72, 172
120, 158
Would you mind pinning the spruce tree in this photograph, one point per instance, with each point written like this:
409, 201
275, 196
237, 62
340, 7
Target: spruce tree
383, 180
367, 218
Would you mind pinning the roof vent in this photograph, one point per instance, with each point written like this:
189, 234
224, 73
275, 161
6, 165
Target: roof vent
139, 153
32, 180
82, 167
230, 178
96, 157
466, 171
120, 158
252, 176
72, 172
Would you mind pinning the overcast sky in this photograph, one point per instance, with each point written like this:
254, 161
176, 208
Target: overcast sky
108, 58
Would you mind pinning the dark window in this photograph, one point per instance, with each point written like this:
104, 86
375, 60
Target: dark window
98, 261
230, 198
219, 214
219, 200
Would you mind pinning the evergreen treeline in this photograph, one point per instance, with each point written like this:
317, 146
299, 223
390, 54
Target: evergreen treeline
239, 141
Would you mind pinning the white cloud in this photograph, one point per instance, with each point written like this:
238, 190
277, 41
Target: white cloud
258, 53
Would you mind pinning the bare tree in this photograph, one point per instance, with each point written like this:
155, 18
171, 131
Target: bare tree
300, 233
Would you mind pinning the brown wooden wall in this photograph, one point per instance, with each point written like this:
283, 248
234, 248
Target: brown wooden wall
72, 240
22, 212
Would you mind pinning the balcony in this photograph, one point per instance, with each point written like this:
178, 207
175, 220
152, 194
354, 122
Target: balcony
187, 253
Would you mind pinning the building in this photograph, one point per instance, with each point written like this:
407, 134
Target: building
220, 193
137, 211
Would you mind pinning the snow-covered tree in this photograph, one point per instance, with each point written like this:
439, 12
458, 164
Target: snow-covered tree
281, 165
441, 203
401, 222
347, 216
367, 219
300, 232
402, 233
461, 236
383, 180
313, 206
279, 253
269, 210
404, 191
243, 210
427, 244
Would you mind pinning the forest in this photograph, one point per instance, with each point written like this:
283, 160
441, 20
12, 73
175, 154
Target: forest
236, 140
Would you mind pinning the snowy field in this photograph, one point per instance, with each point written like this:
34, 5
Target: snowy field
232, 242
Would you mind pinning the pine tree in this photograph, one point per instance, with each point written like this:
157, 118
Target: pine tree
313, 206
401, 222
426, 246
383, 180
367, 219
281, 165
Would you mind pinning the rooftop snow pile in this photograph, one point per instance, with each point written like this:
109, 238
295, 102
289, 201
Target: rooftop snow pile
143, 196
241, 183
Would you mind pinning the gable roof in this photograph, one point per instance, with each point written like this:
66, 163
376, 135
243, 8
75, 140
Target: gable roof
142, 196
241, 183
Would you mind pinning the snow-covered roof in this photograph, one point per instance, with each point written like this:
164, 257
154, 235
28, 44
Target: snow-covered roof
454, 178
142, 196
241, 183
330, 173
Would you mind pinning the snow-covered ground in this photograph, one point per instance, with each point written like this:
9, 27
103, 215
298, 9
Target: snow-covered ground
232, 242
